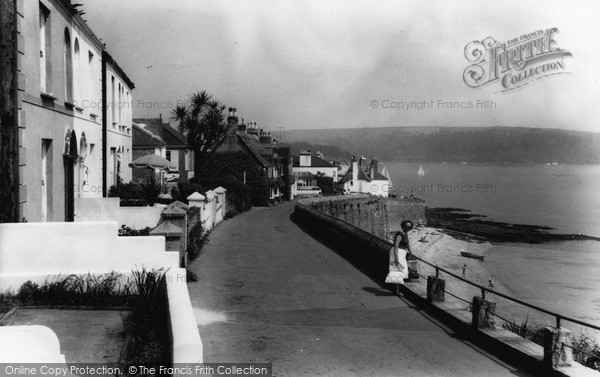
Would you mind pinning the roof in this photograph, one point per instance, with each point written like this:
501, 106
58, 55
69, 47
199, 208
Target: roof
109, 59
380, 177
254, 149
170, 136
304, 175
362, 176
144, 138
315, 162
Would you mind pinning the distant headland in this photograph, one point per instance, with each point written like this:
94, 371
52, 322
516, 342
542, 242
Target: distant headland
494, 145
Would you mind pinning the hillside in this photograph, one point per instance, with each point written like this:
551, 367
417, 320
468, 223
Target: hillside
455, 144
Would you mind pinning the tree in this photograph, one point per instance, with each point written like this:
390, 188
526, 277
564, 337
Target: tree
204, 124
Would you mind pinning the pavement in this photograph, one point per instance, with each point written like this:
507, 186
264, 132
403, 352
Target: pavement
268, 292
85, 336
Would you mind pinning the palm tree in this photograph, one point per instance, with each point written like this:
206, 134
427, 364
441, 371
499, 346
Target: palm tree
204, 124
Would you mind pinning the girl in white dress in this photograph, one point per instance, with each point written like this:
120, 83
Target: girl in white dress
398, 268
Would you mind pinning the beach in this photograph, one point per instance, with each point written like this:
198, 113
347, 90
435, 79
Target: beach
444, 250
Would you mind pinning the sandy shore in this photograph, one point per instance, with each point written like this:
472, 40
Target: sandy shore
444, 250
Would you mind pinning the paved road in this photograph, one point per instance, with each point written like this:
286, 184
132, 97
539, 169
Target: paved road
268, 292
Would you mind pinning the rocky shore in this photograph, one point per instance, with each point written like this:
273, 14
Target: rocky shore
462, 224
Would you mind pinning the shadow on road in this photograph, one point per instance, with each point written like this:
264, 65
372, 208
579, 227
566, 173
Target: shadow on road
377, 291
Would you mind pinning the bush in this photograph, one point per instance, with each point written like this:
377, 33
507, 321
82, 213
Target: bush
126, 231
238, 194
185, 189
197, 238
151, 189
126, 191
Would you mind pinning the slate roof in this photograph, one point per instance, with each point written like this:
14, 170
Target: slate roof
171, 137
315, 162
254, 148
362, 176
144, 138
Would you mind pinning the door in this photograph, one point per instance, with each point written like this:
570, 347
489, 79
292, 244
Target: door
69, 159
45, 182
113, 167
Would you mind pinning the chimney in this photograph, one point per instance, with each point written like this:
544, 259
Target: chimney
354, 186
266, 138
374, 166
232, 120
252, 130
305, 158
160, 117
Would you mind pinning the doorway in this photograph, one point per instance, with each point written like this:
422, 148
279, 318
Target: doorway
69, 159
46, 180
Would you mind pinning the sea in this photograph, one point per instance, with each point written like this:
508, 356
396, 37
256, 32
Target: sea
563, 277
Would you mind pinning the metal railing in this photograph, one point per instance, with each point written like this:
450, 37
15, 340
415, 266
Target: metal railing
558, 317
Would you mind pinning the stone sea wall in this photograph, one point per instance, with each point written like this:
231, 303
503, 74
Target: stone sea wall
376, 215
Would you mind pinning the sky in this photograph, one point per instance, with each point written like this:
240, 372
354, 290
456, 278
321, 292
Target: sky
339, 64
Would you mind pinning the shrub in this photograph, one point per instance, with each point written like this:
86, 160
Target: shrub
197, 238
151, 189
125, 231
185, 189
586, 350
125, 191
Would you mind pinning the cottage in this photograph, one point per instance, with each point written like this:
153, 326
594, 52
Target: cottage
366, 181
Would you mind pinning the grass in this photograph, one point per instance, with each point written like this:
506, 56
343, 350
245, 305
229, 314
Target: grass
586, 350
146, 328
147, 325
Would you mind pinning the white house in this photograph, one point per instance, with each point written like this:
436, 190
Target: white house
357, 180
307, 163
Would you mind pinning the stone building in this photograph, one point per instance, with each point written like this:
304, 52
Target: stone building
72, 110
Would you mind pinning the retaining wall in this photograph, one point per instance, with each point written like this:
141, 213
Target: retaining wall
36, 251
108, 209
376, 215
370, 254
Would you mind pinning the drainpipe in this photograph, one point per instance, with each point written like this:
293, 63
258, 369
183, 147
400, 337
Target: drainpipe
104, 125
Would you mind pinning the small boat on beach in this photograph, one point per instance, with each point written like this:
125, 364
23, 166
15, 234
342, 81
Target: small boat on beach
471, 255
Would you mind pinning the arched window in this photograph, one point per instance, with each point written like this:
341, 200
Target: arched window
76, 71
68, 67
120, 104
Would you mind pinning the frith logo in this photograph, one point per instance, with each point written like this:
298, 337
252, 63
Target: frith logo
515, 63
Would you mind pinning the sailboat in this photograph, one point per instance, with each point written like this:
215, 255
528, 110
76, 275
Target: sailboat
421, 172
386, 174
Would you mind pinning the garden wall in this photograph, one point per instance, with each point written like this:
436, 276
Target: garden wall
376, 215
36, 251
108, 209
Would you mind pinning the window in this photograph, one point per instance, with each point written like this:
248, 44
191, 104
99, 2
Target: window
120, 104
91, 82
112, 98
68, 68
168, 155
76, 72
45, 51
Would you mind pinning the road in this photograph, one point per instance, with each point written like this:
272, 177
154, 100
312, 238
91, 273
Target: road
268, 292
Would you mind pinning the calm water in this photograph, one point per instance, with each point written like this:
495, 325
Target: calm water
563, 277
